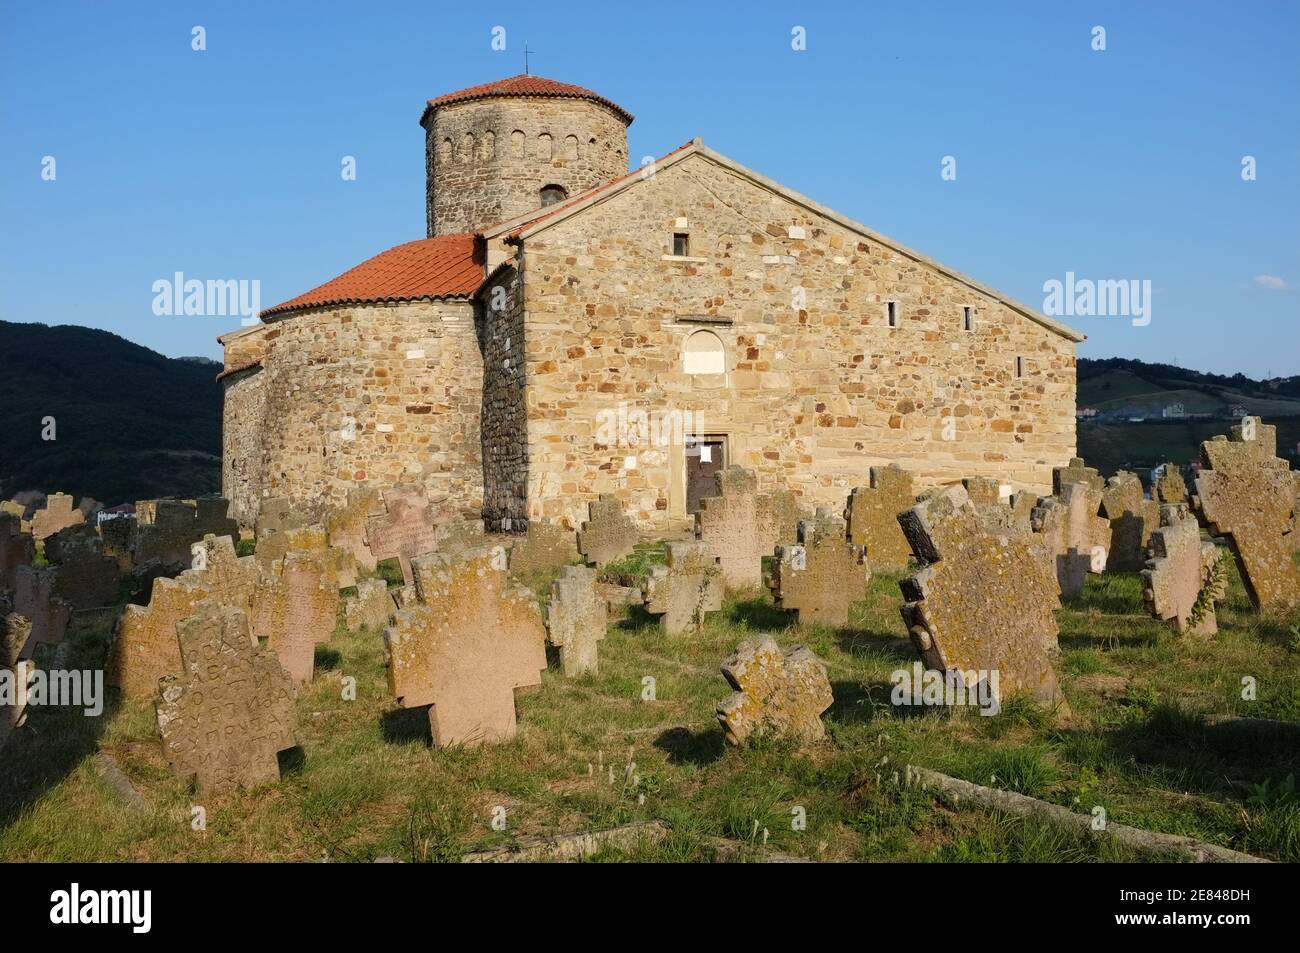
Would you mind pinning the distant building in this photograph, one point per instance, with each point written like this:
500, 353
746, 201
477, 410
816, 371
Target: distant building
1086, 413
1172, 411
1237, 410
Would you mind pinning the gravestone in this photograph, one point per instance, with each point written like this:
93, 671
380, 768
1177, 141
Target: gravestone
982, 491
118, 536
872, 516
338, 565
685, 589
295, 608
465, 646
1132, 520
576, 619
1246, 493
14, 633
1075, 533
226, 716
164, 532
458, 536
822, 574
370, 608
730, 528
58, 514
545, 546
145, 647
87, 578
347, 525
984, 603
35, 600
608, 535
211, 517
16, 549
406, 528
778, 695
1179, 584
1170, 487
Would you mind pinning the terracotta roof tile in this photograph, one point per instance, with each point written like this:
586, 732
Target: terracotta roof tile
525, 85
441, 267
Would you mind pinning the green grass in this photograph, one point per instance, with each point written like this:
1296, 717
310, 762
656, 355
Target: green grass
369, 785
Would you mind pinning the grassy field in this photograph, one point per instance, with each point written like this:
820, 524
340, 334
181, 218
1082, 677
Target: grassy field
367, 784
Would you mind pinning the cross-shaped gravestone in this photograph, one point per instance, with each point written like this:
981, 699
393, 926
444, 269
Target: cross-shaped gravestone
778, 694
1079, 472
984, 603
729, 527
370, 608
1169, 487
57, 515
296, 607
405, 530
576, 619
1075, 533
608, 535
1180, 582
779, 513
228, 714
1246, 493
465, 646
16, 549
822, 574
346, 525
34, 598
87, 578
685, 589
544, 547
1000, 510
873, 517
1132, 520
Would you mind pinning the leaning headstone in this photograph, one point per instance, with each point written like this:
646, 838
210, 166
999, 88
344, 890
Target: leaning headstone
778, 695
729, 527
545, 546
370, 608
822, 574
576, 619
1132, 520
984, 604
406, 528
465, 646
1071, 526
1180, 584
87, 578
58, 514
346, 525
1246, 493
16, 549
681, 592
1170, 487
608, 535
225, 718
873, 517
34, 599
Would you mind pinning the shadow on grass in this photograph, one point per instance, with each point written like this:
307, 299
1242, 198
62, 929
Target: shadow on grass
637, 619
886, 646
760, 615
854, 703
406, 726
684, 746
327, 659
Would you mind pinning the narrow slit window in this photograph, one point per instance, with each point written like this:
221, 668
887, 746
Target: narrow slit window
891, 314
681, 244
1020, 367
968, 318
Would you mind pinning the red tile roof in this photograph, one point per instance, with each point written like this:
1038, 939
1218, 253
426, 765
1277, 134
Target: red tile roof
441, 267
525, 85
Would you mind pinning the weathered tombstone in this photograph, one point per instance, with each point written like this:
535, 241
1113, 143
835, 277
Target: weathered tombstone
685, 589
34, 599
370, 608
1075, 533
406, 529
16, 549
347, 525
618, 598
608, 535
1000, 510
145, 647
165, 532
872, 516
211, 517
459, 536
465, 647
118, 536
778, 695
1246, 493
1180, 584
544, 547
1132, 520
982, 491
58, 514
984, 603
295, 608
1170, 487
87, 578
822, 574
228, 714
729, 527
338, 565
779, 513
576, 619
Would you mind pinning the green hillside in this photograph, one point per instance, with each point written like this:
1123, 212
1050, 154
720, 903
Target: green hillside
130, 423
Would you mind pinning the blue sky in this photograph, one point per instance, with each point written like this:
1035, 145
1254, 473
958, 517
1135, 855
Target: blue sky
225, 163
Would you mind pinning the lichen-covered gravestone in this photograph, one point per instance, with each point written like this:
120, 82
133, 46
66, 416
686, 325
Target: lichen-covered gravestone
544, 547
576, 619
295, 608
1074, 532
87, 578
370, 608
1180, 583
731, 530
1132, 520
34, 599
681, 592
228, 714
822, 574
346, 525
58, 514
407, 528
1246, 493
778, 695
984, 602
465, 646
873, 517
609, 534
1169, 487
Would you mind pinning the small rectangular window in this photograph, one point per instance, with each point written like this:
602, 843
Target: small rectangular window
891, 313
1020, 367
968, 318
681, 244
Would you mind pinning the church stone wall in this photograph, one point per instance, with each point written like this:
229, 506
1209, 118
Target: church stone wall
488, 160
816, 386
373, 395
241, 442
504, 420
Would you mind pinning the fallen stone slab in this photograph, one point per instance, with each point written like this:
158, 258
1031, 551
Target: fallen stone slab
571, 847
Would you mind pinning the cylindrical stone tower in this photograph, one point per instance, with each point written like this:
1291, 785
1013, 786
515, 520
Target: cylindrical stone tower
502, 149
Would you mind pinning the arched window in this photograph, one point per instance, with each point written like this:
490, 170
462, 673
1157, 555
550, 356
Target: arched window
517, 143
553, 193
444, 150
703, 353
545, 149
571, 148
467, 147
488, 147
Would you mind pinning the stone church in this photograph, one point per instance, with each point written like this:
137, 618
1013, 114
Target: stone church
569, 328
